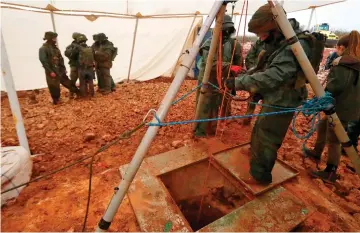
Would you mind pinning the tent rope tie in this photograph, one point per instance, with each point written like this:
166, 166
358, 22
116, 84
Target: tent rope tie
312, 107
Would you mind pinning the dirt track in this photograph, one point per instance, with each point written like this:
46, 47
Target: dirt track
57, 134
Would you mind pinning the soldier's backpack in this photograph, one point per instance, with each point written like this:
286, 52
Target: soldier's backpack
114, 53
316, 41
71, 52
86, 57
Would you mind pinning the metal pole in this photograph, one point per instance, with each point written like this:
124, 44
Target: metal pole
12, 96
210, 59
150, 134
298, 51
133, 47
182, 49
311, 16
54, 27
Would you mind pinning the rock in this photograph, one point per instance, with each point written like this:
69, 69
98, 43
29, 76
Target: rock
40, 126
10, 141
323, 187
354, 196
186, 137
89, 136
177, 143
357, 217
106, 137
136, 110
49, 134
343, 186
51, 111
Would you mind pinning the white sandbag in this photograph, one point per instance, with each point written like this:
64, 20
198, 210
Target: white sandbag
16, 167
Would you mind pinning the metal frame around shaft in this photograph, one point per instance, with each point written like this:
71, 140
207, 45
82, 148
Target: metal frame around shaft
287, 30
150, 134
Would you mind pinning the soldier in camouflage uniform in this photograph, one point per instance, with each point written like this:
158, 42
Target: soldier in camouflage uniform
105, 52
277, 85
72, 53
55, 71
86, 63
256, 62
353, 131
213, 99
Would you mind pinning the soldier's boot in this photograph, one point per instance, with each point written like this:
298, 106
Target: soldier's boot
113, 86
328, 175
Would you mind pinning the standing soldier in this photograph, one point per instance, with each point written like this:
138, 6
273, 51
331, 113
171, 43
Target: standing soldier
72, 52
256, 61
86, 67
105, 53
212, 98
278, 86
55, 71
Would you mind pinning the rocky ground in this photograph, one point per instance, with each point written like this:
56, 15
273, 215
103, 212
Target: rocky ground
61, 134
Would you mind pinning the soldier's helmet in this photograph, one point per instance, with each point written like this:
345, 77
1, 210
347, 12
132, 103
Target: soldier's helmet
102, 37
262, 20
50, 35
81, 38
96, 37
75, 35
228, 23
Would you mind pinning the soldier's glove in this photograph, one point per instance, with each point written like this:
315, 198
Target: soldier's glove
257, 97
230, 83
53, 75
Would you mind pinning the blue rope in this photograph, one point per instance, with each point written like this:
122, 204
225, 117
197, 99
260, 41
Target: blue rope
187, 94
311, 107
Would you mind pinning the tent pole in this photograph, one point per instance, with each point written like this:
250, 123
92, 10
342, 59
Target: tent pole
183, 47
53, 25
300, 55
133, 47
210, 60
150, 134
12, 96
311, 16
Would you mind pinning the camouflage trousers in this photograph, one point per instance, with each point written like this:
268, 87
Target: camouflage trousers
326, 134
210, 108
86, 76
103, 75
354, 132
74, 74
266, 138
54, 84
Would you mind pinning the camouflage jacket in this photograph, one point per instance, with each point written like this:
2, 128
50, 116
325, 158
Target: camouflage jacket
277, 82
344, 84
251, 59
51, 59
103, 54
227, 49
72, 52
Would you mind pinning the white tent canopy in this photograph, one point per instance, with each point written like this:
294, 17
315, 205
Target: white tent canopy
163, 28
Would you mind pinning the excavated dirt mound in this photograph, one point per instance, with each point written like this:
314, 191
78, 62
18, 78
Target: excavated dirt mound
62, 134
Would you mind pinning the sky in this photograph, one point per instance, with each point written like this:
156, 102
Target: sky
344, 15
